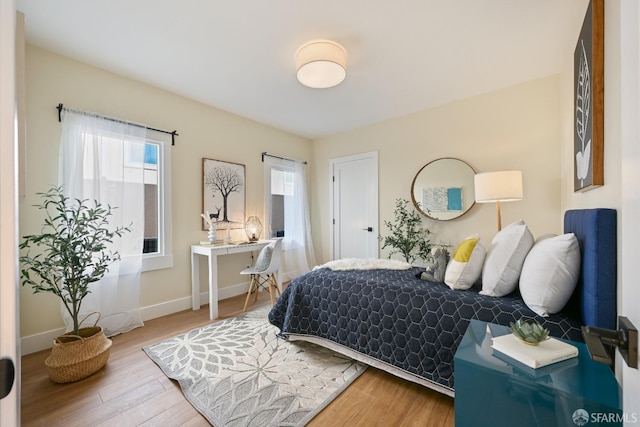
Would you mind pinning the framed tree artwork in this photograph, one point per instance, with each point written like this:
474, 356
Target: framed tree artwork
223, 193
588, 135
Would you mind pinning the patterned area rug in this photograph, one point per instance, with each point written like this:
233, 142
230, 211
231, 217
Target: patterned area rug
238, 373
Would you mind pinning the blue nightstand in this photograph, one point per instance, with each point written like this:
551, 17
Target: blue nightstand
491, 390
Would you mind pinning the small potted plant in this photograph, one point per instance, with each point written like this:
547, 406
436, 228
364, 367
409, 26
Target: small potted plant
529, 333
70, 253
407, 236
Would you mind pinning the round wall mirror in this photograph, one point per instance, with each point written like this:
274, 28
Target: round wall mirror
443, 189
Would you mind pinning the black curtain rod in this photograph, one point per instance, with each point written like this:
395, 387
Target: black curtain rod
172, 133
281, 158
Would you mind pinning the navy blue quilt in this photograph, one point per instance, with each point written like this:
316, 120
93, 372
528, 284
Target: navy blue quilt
393, 316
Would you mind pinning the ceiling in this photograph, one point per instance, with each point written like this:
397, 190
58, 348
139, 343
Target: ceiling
403, 57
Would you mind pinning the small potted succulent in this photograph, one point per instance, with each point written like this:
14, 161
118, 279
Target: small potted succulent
529, 333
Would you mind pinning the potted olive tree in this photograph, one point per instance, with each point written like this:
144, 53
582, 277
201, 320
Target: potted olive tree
71, 251
406, 235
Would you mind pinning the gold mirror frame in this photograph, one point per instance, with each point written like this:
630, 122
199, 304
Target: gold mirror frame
443, 189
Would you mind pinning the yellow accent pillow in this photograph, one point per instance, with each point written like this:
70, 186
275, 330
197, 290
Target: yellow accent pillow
465, 249
465, 266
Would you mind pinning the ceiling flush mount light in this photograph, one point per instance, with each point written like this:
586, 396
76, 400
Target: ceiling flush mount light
502, 186
321, 64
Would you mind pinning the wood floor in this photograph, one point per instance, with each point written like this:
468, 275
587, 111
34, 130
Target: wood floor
132, 391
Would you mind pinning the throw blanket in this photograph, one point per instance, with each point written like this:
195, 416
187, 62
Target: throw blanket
364, 264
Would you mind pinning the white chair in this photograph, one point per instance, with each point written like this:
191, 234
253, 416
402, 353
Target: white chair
263, 272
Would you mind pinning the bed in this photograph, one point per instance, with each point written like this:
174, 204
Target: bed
392, 320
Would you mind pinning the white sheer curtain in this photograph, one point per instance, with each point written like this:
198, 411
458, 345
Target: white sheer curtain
297, 246
102, 159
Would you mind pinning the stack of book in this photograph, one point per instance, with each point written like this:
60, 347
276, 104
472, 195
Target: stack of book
547, 352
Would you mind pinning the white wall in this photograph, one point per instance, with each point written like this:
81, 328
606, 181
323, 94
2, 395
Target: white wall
513, 128
204, 132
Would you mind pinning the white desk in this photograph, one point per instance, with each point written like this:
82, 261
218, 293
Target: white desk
212, 252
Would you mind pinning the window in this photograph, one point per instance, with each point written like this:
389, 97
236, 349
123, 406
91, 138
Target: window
156, 175
151, 198
281, 186
287, 214
127, 167
149, 163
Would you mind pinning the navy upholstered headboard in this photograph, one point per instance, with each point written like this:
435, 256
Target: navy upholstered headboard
594, 300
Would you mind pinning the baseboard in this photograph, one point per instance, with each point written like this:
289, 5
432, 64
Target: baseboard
165, 308
38, 342
44, 340
228, 292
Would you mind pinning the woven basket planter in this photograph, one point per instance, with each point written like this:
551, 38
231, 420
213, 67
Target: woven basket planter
74, 357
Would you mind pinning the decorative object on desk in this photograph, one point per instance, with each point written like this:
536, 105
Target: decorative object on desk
72, 253
223, 191
529, 333
253, 228
549, 351
238, 370
588, 72
208, 219
407, 236
501, 186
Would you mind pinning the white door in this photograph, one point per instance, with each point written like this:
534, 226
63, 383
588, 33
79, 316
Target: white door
354, 206
9, 358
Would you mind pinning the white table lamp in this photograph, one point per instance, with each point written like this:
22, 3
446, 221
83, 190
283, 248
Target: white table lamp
501, 186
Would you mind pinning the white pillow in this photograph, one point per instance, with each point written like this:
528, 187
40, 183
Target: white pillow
465, 266
504, 261
550, 274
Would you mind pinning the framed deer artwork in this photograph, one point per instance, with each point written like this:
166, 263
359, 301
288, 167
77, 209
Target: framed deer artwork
588, 135
223, 193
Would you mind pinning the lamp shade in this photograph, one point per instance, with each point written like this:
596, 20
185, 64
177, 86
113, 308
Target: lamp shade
321, 64
253, 228
502, 186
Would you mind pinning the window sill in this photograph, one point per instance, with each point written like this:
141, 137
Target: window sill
156, 262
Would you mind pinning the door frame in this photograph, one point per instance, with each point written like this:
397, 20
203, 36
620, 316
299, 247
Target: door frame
332, 164
9, 333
